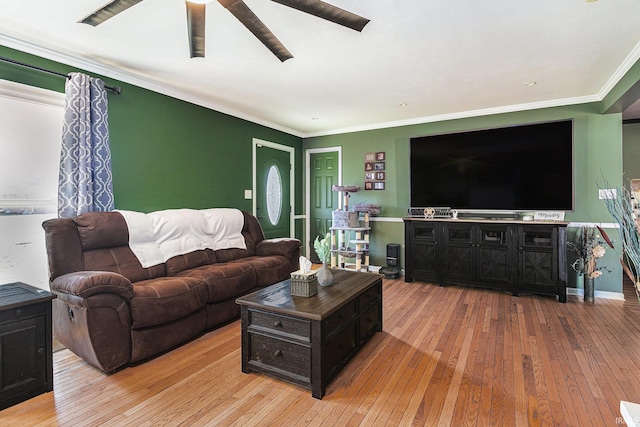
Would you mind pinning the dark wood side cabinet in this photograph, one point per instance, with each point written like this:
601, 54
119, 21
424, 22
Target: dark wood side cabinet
514, 256
26, 355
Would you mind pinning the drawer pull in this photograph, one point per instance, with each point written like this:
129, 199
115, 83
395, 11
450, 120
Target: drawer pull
278, 353
278, 324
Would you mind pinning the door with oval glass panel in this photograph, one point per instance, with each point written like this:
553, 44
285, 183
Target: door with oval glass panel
272, 190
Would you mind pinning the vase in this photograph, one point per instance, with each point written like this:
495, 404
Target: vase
325, 278
589, 288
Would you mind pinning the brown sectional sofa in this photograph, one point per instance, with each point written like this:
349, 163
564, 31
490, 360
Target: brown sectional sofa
113, 312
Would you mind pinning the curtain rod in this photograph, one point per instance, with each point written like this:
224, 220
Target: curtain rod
115, 89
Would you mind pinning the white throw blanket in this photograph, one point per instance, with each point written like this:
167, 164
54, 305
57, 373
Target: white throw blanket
157, 236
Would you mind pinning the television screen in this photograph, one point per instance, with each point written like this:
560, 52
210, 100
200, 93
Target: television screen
518, 168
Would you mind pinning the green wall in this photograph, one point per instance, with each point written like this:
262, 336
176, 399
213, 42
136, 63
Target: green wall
169, 153
597, 157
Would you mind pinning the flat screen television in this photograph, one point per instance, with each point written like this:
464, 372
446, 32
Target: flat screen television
521, 168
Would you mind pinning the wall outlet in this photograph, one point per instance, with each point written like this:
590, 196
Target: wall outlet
608, 193
247, 194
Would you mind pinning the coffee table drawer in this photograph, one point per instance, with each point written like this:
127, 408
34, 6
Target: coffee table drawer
338, 349
283, 355
340, 318
370, 322
371, 296
280, 325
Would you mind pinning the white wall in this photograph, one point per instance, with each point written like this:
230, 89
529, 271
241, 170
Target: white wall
30, 137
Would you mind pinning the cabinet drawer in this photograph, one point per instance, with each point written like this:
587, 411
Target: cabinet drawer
280, 325
538, 238
369, 322
458, 234
369, 297
338, 350
279, 354
424, 232
344, 315
23, 312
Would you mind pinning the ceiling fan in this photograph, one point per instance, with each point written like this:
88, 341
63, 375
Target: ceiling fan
238, 8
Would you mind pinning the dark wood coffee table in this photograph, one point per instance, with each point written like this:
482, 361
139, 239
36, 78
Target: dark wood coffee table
308, 340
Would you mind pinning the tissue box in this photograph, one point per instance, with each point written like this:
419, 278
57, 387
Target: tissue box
304, 284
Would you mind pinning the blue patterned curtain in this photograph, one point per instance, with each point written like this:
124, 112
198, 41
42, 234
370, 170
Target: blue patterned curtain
85, 180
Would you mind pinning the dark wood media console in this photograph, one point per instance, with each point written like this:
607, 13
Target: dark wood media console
509, 255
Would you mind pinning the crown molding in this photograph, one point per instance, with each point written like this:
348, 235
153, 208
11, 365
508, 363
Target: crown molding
113, 73
26, 93
623, 69
463, 115
94, 67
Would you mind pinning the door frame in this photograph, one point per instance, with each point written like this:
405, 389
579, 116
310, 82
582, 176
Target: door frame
292, 196
307, 178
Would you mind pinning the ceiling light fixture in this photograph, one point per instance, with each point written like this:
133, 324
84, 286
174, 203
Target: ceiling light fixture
404, 104
531, 83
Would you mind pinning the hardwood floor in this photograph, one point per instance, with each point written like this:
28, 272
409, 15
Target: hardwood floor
446, 356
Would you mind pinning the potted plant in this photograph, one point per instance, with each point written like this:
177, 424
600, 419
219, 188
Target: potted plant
589, 249
323, 250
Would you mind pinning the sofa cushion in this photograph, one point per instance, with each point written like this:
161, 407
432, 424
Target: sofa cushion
184, 262
166, 299
269, 269
226, 255
99, 230
120, 260
224, 281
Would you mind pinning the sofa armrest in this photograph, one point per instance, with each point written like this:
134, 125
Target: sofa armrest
86, 283
287, 247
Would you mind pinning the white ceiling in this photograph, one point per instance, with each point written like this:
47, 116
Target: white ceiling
443, 59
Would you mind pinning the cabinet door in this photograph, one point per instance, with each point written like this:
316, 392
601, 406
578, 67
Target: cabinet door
458, 254
421, 255
492, 255
538, 258
23, 360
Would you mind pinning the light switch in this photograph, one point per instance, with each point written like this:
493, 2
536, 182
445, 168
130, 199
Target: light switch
247, 194
609, 193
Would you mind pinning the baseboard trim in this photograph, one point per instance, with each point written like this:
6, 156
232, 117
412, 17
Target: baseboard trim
597, 294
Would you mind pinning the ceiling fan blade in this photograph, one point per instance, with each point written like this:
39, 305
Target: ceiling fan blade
249, 19
327, 11
109, 10
195, 28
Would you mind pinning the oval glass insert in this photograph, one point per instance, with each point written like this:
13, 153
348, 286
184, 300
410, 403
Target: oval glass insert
274, 195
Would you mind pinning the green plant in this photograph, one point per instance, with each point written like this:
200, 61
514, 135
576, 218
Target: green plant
323, 248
